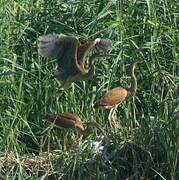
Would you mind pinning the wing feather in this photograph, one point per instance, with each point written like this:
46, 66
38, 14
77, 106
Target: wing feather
112, 98
51, 45
63, 48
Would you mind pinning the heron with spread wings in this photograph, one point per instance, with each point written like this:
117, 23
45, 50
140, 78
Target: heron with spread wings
71, 56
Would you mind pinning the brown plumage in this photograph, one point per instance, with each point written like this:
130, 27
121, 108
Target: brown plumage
112, 98
116, 96
70, 120
70, 56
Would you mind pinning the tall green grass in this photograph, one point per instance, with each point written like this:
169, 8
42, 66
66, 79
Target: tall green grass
147, 146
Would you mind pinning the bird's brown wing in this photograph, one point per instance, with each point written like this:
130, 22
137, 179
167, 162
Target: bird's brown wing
65, 120
112, 98
64, 49
51, 45
59, 122
72, 119
68, 62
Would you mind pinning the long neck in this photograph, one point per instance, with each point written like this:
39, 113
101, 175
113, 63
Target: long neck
90, 127
133, 87
90, 73
82, 51
50, 117
87, 131
92, 70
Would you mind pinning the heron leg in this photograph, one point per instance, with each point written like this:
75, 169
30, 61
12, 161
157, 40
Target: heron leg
64, 141
110, 118
49, 139
114, 119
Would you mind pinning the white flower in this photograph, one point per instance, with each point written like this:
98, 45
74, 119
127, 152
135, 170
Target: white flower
97, 146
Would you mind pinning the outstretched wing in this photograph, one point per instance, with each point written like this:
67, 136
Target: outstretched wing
63, 48
51, 45
68, 62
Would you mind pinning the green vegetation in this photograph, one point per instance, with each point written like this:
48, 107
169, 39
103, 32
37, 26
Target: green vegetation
146, 147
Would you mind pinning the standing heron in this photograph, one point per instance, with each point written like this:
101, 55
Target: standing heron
71, 56
113, 98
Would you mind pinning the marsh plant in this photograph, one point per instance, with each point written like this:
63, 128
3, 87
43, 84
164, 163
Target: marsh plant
147, 144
